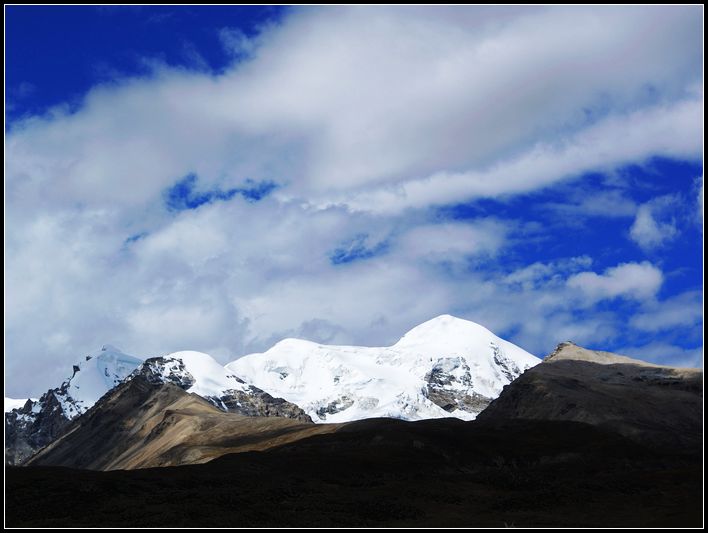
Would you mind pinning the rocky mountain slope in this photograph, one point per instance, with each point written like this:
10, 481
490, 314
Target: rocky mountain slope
146, 422
653, 404
444, 367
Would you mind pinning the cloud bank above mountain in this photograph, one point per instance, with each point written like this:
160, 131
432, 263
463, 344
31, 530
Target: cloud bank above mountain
305, 189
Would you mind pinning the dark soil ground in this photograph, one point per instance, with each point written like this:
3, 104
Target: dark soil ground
386, 473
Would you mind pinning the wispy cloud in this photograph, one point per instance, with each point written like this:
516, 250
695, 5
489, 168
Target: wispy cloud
683, 310
236, 43
639, 281
655, 223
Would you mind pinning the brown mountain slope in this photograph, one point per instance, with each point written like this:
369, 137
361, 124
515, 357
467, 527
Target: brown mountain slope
140, 425
657, 405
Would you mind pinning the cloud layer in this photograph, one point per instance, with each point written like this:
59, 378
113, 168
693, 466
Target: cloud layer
360, 122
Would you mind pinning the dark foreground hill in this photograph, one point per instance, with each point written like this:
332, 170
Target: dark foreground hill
385, 472
655, 405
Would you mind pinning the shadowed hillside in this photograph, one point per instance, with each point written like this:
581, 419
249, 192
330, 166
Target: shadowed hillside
386, 473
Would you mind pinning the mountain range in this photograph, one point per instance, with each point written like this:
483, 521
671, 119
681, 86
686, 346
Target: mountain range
450, 426
444, 367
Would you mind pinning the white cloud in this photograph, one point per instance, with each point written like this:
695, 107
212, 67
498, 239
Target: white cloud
365, 117
585, 203
671, 131
682, 311
647, 233
453, 241
654, 224
544, 274
307, 109
471, 90
639, 281
236, 43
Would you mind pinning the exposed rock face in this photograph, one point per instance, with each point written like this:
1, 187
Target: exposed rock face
141, 424
507, 366
654, 404
157, 370
256, 402
34, 425
449, 384
334, 407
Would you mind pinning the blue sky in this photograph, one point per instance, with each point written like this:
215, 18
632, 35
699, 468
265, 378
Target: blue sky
218, 178
58, 53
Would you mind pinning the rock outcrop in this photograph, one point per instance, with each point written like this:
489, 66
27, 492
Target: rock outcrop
449, 384
33, 426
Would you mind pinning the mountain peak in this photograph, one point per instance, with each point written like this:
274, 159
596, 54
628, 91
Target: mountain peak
110, 348
447, 319
295, 344
447, 327
569, 351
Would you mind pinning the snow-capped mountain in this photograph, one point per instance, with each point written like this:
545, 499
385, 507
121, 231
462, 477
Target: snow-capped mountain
91, 378
31, 425
95, 376
38, 422
195, 372
444, 367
